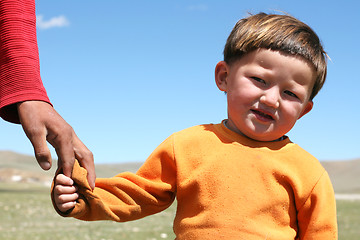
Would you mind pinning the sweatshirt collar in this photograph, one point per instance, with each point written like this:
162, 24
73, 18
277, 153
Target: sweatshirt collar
235, 137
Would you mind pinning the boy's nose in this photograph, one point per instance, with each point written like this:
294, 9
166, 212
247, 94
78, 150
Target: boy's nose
270, 98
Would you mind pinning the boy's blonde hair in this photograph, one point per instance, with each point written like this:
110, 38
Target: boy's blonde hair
282, 33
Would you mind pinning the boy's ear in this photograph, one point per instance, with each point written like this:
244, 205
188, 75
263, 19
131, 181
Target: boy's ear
308, 107
221, 74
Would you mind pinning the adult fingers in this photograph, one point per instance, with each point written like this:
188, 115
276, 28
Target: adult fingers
86, 160
42, 123
60, 136
36, 131
41, 150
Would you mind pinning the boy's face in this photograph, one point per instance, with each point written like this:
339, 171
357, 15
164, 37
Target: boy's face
267, 92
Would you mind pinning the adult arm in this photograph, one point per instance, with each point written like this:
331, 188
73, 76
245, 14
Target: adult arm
23, 98
19, 59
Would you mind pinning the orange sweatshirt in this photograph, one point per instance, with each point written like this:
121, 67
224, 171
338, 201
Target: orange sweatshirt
227, 187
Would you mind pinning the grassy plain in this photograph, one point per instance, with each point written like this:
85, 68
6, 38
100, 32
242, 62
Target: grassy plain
26, 213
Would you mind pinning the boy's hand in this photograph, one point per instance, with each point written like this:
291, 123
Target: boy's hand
65, 193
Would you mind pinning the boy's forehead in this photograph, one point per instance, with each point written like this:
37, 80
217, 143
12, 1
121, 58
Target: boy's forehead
267, 58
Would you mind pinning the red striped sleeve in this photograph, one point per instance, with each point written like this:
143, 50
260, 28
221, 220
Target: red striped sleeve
19, 58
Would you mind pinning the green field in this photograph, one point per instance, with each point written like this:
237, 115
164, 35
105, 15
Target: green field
26, 213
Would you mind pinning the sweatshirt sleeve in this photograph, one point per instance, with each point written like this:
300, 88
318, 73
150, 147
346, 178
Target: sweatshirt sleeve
128, 196
317, 217
19, 58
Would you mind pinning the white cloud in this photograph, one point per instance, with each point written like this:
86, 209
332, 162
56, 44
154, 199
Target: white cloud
60, 21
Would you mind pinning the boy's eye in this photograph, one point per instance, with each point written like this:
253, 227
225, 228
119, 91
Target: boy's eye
259, 80
291, 94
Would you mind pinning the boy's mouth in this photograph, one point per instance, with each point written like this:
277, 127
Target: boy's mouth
262, 115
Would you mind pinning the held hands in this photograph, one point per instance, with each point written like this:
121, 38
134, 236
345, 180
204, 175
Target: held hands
65, 193
42, 123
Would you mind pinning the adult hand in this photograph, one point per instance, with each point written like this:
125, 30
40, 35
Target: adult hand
42, 123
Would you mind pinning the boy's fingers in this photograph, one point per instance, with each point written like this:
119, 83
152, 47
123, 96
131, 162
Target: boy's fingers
66, 206
61, 189
65, 195
65, 202
65, 198
61, 179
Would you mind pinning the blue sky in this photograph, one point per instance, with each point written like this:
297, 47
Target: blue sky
127, 74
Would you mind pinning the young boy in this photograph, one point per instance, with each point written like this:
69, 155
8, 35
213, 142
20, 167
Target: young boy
242, 178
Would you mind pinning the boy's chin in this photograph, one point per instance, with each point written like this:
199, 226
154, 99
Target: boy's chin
257, 133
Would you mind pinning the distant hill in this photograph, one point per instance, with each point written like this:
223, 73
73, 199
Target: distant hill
24, 168
345, 175
16, 167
